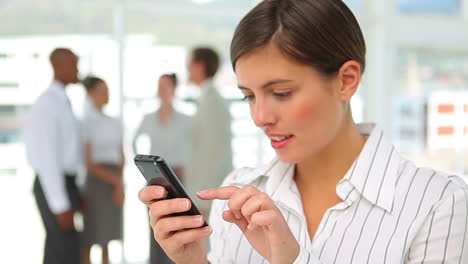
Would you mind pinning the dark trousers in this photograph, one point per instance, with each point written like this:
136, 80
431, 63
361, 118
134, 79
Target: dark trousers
60, 246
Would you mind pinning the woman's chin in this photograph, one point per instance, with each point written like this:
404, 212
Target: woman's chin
287, 157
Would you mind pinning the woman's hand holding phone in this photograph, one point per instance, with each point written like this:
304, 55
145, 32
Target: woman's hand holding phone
259, 219
181, 237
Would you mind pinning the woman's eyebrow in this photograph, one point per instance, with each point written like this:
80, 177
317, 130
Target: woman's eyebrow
267, 84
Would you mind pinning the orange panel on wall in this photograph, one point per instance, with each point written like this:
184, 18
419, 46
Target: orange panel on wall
446, 108
445, 130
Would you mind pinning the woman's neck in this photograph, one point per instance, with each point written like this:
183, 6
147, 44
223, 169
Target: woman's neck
97, 106
165, 113
327, 168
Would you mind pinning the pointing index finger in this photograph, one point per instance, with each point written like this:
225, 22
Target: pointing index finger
222, 193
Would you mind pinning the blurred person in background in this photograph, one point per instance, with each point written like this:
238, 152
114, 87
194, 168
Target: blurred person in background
54, 151
166, 128
210, 155
337, 191
104, 188
168, 131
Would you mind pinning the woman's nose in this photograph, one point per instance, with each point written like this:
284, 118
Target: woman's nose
262, 114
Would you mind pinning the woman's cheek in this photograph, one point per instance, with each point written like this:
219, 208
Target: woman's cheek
303, 112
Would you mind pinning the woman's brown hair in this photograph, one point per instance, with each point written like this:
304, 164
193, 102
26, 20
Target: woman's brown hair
321, 33
172, 77
91, 82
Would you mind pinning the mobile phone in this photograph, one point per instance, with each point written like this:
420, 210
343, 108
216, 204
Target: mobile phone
157, 172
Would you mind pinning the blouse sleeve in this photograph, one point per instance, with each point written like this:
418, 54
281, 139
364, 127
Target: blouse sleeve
443, 237
219, 239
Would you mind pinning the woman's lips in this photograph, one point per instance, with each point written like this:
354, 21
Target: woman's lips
279, 142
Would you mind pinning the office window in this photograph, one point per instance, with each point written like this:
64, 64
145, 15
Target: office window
9, 85
9, 136
7, 172
436, 7
357, 6
430, 107
7, 110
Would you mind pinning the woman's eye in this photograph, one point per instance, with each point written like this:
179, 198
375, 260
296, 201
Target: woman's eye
247, 98
282, 95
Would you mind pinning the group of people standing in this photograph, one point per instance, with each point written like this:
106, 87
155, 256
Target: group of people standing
57, 144
190, 143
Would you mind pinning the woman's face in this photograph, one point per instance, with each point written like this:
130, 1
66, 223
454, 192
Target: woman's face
100, 94
166, 90
298, 108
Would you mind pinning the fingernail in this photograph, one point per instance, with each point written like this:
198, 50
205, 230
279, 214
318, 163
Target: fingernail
249, 226
237, 214
161, 191
207, 229
202, 192
197, 219
184, 204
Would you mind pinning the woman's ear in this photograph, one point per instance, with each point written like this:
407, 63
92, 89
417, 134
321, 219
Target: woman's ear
349, 77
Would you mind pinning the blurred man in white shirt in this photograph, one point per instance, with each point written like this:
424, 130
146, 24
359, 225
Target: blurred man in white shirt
54, 152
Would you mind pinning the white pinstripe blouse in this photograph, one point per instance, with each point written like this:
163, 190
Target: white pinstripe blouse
392, 212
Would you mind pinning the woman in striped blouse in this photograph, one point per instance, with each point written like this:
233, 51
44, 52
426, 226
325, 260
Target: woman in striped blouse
337, 192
